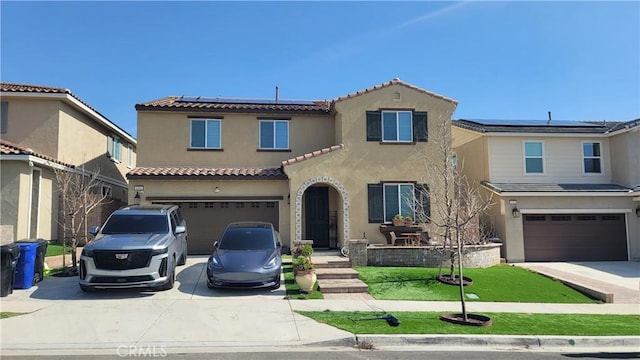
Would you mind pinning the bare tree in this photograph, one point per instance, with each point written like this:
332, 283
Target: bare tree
456, 204
80, 192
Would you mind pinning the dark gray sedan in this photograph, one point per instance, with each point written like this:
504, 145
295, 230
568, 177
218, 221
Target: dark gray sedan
247, 256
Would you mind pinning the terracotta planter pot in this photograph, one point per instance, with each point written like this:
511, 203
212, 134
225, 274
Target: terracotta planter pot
305, 280
397, 222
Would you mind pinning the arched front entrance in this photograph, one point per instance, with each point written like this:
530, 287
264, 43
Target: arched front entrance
313, 211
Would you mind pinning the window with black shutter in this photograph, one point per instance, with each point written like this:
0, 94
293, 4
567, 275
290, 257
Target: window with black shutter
374, 126
397, 126
423, 200
376, 203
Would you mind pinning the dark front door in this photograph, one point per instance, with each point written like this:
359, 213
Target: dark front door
317, 216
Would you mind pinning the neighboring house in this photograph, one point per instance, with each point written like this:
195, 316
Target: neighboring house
43, 128
563, 190
328, 171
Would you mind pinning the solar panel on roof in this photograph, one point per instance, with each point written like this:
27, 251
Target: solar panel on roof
218, 100
563, 123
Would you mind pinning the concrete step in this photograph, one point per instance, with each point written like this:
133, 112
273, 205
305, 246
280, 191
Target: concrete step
336, 273
333, 286
321, 263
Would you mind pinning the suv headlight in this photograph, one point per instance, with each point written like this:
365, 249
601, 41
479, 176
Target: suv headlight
271, 263
86, 252
155, 252
215, 262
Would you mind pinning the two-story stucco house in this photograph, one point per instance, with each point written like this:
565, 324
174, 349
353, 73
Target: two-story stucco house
328, 171
43, 128
563, 190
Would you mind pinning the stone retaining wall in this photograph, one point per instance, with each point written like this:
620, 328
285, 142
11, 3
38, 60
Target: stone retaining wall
476, 256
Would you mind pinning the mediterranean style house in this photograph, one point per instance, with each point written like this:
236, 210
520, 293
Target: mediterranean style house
45, 128
562, 190
328, 171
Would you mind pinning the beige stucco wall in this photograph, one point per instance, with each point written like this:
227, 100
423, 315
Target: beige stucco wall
33, 124
15, 205
82, 141
362, 162
563, 161
510, 229
229, 189
164, 139
625, 162
471, 150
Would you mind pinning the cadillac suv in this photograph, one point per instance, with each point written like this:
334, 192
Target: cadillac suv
139, 246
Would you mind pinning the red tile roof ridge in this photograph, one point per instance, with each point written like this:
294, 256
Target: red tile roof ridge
395, 81
196, 171
312, 154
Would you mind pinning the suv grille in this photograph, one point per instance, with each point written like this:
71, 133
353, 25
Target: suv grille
121, 260
120, 279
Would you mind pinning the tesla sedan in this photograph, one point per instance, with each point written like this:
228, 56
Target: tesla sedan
246, 256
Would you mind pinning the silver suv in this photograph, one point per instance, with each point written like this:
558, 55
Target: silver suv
138, 247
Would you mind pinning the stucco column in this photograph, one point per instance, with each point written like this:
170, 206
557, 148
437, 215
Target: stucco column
358, 252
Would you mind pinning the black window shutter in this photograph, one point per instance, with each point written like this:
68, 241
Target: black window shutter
4, 115
376, 210
423, 199
374, 126
420, 126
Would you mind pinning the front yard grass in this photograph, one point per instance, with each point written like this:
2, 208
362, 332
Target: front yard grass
503, 324
500, 283
55, 250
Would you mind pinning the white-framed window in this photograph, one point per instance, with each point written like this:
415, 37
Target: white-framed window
533, 157
113, 148
129, 156
397, 126
592, 157
274, 134
398, 199
206, 134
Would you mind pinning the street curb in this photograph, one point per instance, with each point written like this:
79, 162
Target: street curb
524, 341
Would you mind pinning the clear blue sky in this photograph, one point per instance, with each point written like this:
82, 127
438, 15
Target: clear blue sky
500, 60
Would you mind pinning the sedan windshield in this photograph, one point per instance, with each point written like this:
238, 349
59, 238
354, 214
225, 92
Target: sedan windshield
136, 224
247, 239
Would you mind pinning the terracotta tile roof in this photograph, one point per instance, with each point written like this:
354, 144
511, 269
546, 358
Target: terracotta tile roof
9, 148
515, 187
395, 81
204, 173
310, 155
193, 103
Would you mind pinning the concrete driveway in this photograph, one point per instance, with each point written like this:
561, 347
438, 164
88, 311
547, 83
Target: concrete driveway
190, 284
621, 279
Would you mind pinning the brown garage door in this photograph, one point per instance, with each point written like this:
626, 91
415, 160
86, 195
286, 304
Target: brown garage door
206, 220
579, 237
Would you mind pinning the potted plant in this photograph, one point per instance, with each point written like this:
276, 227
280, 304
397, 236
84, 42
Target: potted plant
408, 221
398, 220
303, 268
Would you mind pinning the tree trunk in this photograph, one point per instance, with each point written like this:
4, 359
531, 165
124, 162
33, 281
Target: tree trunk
74, 243
462, 300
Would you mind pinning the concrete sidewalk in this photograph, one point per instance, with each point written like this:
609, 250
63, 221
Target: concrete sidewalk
190, 317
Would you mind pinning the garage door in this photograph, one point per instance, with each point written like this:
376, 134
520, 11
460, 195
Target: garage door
206, 220
579, 237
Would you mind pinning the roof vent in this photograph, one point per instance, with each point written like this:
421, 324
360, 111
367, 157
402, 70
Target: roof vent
396, 96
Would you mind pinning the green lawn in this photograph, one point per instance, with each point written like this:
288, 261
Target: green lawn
500, 283
503, 324
4, 315
54, 250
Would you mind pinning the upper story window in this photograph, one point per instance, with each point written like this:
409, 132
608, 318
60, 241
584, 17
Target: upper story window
4, 116
113, 148
206, 133
274, 134
533, 157
389, 199
592, 157
397, 126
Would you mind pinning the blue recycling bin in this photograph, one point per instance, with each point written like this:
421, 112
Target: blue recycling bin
25, 268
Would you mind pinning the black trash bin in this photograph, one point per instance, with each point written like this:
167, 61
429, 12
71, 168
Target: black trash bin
38, 266
9, 257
